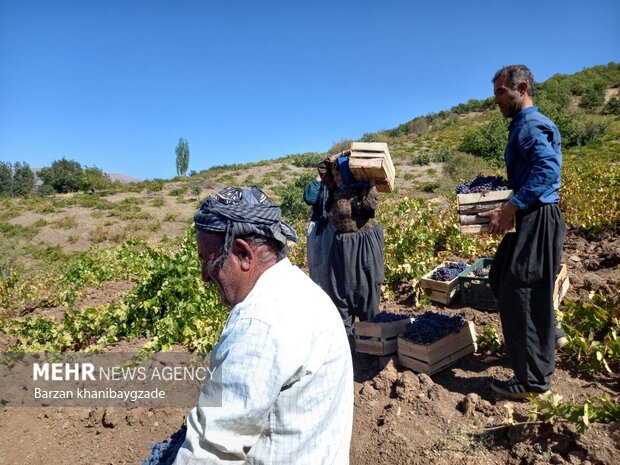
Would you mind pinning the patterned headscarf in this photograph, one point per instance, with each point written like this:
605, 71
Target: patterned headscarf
239, 212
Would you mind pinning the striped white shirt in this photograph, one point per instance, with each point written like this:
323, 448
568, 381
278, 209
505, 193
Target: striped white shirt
284, 391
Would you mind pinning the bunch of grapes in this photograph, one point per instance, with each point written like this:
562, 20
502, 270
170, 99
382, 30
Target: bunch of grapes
385, 317
482, 272
448, 272
164, 453
430, 327
482, 184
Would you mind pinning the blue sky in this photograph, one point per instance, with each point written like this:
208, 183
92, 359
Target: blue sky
114, 84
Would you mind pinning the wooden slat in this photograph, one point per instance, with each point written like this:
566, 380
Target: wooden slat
441, 297
490, 196
478, 228
473, 219
374, 347
472, 209
381, 330
369, 146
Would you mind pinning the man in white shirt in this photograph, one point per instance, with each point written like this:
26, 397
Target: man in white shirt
281, 390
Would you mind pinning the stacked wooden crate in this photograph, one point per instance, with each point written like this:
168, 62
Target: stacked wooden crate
469, 205
371, 161
432, 358
379, 338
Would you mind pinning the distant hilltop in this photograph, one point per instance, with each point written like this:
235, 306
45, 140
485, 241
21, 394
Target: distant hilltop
122, 178
125, 179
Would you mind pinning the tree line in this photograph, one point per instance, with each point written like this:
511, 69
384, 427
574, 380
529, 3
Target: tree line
19, 180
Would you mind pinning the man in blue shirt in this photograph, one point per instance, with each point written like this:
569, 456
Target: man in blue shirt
526, 263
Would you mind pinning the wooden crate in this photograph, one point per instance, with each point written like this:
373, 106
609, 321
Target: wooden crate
379, 338
443, 292
432, 358
370, 161
469, 205
561, 286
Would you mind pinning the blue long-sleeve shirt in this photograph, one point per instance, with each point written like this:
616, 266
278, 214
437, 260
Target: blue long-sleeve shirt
533, 159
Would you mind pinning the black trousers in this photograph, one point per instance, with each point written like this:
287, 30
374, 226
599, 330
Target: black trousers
522, 277
355, 274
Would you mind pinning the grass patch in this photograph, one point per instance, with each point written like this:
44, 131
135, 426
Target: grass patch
158, 202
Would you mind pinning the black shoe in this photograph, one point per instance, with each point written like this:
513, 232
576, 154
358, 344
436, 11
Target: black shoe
513, 389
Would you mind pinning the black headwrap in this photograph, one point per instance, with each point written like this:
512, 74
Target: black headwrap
239, 212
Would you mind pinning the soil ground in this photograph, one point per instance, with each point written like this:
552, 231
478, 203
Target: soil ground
400, 418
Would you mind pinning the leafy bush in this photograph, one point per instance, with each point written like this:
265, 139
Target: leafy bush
64, 175
422, 158
550, 408
177, 192
307, 160
94, 179
488, 141
292, 198
592, 331
594, 97
341, 146
461, 167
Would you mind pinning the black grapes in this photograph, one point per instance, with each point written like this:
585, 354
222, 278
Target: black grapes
448, 272
164, 453
482, 184
482, 272
430, 326
385, 317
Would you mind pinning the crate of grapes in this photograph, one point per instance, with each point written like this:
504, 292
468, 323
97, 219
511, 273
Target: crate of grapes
436, 341
378, 337
561, 286
475, 287
441, 284
478, 195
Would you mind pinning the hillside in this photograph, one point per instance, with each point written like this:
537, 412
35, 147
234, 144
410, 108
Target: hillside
116, 271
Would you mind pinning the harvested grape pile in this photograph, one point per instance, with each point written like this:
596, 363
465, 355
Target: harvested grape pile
483, 184
430, 326
448, 272
385, 317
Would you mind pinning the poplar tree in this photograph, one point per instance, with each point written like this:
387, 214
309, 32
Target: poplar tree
182, 152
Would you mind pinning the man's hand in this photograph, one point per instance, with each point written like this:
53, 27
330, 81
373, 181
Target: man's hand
336, 156
501, 219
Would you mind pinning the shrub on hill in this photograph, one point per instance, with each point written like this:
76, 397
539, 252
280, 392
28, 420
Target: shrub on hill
307, 160
292, 198
487, 141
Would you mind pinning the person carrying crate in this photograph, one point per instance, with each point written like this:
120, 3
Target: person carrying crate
526, 263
